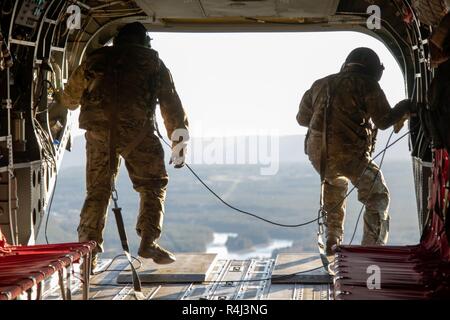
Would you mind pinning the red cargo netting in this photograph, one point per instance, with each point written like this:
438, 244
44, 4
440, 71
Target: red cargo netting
411, 272
23, 267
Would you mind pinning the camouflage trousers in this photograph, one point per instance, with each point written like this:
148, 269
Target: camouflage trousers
146, 169
363, 173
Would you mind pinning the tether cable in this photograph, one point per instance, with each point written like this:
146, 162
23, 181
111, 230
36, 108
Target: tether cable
214, 193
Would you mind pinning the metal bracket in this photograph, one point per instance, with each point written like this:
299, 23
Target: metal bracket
50, 21
23, 43
53, 48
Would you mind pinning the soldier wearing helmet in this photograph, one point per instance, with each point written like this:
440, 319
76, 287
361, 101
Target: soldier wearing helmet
342, 113
118, 88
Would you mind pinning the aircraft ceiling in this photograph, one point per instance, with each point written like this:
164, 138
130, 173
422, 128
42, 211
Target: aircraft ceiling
235, 8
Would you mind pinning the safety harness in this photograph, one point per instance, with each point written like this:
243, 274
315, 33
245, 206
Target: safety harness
124, 242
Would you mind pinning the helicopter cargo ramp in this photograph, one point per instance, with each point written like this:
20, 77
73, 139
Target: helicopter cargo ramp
202, 276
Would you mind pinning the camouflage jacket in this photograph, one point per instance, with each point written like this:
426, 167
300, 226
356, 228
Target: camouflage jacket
123, 83
358, 107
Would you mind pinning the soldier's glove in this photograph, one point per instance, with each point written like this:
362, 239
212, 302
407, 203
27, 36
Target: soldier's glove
408, 108
178, 158
400, 124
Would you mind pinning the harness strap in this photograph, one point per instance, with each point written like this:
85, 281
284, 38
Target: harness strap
126, 249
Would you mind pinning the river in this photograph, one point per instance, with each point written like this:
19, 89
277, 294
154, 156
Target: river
261, 251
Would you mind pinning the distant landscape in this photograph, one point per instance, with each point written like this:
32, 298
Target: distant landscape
194, 216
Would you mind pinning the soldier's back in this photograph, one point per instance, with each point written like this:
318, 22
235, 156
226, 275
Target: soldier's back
121, 82
349, 123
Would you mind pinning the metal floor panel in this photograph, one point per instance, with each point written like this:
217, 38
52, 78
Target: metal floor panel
227, 280
187, 268
294, 264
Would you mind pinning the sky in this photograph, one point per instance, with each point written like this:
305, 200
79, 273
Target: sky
234, 84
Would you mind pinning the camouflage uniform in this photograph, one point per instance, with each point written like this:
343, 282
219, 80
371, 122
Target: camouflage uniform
358, 105
117, 88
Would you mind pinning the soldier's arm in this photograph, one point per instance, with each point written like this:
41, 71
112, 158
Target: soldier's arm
71, 95
172, 110
383, 116
306, 109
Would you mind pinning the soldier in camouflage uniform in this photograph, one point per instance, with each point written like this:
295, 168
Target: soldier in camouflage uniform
118, 88
356, 107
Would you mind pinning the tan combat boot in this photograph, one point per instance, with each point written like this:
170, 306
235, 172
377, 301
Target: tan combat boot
151, 250
331, 243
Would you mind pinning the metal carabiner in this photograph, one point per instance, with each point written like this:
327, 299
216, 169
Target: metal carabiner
114, 194
321, 228
320, 220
